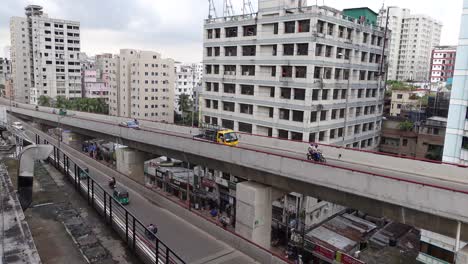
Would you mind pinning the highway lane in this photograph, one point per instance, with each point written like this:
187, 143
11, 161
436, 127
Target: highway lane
190, 243
457, 182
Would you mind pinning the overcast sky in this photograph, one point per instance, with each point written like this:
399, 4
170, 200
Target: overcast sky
174, 27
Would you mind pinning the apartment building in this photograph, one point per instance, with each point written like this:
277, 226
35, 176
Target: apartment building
96, 86
108, 67
442, 64
456, 139
412, 40
188, 77
45, 55
295, 72
141, 84
5, 70
403, 100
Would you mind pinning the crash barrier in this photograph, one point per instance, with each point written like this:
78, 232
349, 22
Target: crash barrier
143, 243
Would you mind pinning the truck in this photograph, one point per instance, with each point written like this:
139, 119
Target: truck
217, 134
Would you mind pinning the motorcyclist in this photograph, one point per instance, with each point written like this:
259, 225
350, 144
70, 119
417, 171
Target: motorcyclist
312, 149
112, 182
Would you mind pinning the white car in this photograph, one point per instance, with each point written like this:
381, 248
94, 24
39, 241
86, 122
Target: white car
17, 125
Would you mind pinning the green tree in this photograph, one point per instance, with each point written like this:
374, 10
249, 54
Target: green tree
406, 125
186, 109
61, 102
43, 100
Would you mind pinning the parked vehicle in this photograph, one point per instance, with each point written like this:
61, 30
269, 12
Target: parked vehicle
17, 125
129, 124
217, 134
121, 196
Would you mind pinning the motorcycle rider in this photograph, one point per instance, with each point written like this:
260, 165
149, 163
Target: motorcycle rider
112, 182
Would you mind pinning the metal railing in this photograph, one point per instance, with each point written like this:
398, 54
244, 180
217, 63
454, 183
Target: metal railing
142, 242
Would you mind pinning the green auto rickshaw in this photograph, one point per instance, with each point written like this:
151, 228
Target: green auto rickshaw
121, 196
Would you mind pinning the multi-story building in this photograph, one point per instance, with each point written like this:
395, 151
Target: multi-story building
142, 84
45, 56
188, 77
403, 100
456, 140
442, 63
302, 73
412, 40
5, 70
425, 140
95, 86
108, 67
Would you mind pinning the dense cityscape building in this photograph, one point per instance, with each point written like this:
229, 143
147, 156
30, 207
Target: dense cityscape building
95, 86
456, 139
188, 78
308, 73
141, 84
45, 55
412, 39
442, 64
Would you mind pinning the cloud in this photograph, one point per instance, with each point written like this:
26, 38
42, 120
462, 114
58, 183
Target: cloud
175, 28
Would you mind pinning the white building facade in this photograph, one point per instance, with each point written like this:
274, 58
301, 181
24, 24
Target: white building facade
95, 86
456, 138
45, 56
412, 39
5, 70
141, 84
188, 77
305, 74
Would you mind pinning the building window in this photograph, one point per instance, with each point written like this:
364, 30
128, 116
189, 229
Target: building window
229, 69
320, 26
303, 49
283, 133
250, 30
289, 27
231, 32
325, 94
229, 88
226, 123
301, 71
299, 94
286, 71
285, 93
323, 115
284, 114
228, 106
303, 26
288, 49
248, 50
230, 51
298, 116
247, 89
313, 116
437, 252
399, 96
315, 94
317, 72
465, 143
246, 109
244, 127
322, 135
248, 70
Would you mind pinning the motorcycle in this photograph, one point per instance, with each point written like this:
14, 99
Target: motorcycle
317, 157
112, 184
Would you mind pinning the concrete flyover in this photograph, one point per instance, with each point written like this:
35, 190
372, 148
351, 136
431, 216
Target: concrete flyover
428, 195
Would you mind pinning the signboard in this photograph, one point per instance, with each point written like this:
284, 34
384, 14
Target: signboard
325, 252
346, 259
221, 181
208, 183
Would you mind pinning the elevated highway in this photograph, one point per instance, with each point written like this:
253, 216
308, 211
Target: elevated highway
429, 195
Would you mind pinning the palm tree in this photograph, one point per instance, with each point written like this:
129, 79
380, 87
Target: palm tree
61, 102
43, 100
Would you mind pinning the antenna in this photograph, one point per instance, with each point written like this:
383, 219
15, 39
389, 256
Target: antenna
247, 7
228, 11
212, 9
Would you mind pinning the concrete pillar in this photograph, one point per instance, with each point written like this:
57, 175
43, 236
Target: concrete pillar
462, 256
131, 163
253, 211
